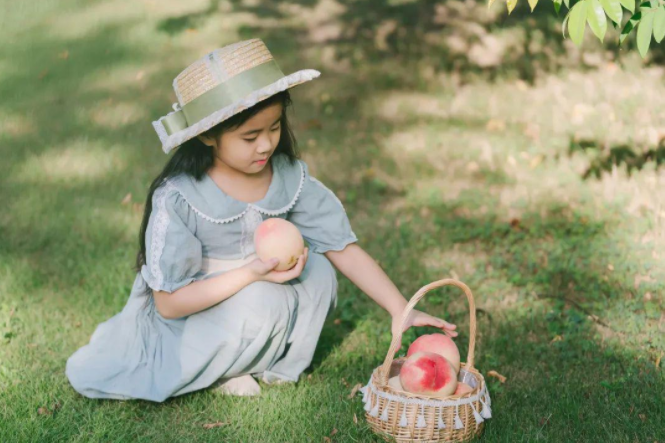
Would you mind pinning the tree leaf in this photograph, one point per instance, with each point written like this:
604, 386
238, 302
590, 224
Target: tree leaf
596, 18
511, 5
533, 4
563, 27
567, 3
644, 31
577, 22
613, 10
659, 24
630, 25
628, 4
557, 6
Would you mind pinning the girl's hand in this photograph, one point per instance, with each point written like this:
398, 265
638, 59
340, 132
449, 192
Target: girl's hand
418, 318
263, 271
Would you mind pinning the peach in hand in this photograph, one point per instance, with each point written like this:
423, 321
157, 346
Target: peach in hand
276, 237
439, 344
429, 374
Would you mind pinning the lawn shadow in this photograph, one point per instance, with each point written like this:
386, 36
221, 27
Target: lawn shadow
543, 295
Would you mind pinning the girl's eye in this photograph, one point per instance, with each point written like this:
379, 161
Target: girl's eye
252, 139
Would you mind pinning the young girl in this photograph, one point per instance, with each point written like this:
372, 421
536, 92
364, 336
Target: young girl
204, 309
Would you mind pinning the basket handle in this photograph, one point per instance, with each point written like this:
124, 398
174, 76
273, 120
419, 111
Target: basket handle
384, 370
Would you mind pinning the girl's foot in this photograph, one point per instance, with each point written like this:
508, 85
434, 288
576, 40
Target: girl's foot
244, 385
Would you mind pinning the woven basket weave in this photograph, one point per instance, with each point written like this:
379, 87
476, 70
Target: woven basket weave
406, 417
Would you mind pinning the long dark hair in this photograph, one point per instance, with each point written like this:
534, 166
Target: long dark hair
194, 157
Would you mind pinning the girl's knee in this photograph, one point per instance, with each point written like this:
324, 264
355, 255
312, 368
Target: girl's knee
323, 273
263, 302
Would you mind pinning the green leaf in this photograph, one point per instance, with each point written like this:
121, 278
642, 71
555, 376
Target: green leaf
644, 31
630, 25
511, 5
628, 4
577, 22
596, 18
613, 9
565, 20
567, 3
557, 6
659, 24
533, 4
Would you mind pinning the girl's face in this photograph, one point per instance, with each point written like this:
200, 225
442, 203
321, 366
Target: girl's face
254, 140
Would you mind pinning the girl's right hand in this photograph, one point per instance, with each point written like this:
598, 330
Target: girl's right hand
264, 271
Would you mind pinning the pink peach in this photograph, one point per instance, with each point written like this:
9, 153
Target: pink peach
439, 344
462, 388
429, 374
277, 237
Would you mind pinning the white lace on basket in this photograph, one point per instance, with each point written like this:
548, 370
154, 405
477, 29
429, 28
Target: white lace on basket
482, 396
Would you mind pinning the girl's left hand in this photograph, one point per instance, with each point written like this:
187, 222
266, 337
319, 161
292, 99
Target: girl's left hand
419, 318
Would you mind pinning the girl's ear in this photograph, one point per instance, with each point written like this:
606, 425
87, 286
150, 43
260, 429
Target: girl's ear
207, 140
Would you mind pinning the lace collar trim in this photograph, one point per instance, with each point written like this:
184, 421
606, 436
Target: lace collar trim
212, 204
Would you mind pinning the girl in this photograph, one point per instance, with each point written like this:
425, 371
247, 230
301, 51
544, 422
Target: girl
204, 309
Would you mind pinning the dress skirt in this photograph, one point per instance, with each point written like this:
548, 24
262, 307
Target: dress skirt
266, 329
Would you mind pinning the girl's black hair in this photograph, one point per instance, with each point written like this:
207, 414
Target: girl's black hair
194, 158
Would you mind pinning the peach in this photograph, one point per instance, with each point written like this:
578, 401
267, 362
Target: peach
462, 388
439, 344
277, 237
394, 383
429, 374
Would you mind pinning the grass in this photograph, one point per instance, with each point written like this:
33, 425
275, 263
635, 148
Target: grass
449, 173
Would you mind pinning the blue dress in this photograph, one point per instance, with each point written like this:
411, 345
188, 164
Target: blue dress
266, 329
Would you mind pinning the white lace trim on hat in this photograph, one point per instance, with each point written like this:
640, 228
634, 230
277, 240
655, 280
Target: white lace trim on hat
176, 139
250, 205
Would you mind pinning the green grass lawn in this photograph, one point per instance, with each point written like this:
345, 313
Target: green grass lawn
443, 173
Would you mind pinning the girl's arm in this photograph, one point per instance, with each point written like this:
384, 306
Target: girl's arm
359, 267
202, 294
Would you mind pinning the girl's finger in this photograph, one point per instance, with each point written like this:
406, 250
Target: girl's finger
447, 325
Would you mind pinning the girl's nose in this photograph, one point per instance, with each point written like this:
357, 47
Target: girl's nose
265, 145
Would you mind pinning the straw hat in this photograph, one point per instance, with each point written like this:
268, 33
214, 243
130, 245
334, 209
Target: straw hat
221, 84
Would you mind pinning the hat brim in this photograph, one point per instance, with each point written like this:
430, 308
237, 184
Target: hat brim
169, 142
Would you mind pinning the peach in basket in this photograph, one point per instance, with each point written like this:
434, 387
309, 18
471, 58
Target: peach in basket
396, 414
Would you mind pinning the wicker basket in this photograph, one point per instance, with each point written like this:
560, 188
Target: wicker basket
405, 417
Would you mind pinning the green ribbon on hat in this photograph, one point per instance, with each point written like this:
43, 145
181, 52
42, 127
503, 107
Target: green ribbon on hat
234, 89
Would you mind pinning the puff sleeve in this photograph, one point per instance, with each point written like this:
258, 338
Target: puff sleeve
320, 216
173, 253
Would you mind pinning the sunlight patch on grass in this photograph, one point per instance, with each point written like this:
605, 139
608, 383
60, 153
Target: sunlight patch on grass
462, 262
108, 114
80, 22
80, 160
15, 125
398, 106
120, 78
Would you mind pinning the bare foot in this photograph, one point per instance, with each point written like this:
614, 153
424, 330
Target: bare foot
244, 385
